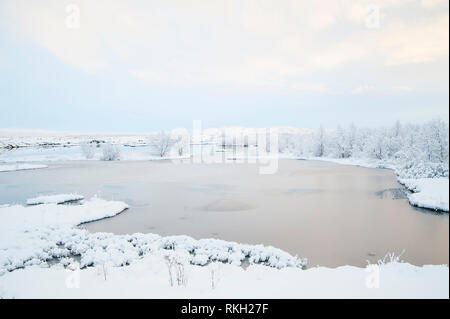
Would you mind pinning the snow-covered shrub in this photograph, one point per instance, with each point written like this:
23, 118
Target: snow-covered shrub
423, 170
391, 257
111, 152
88, 149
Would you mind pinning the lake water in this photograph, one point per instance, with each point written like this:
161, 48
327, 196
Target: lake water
332, 214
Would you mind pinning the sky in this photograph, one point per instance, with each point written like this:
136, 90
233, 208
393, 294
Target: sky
143, 66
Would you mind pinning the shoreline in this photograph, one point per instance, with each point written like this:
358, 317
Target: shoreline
101, 272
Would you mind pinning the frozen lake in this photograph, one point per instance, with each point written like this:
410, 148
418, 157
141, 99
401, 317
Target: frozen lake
332, 214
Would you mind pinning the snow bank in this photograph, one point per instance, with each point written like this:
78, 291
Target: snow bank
431, 193
54, 199
19, 167
34, 235
149, 278
20, 218
369, 163
29, 235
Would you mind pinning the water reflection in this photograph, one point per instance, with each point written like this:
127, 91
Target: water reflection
331, 214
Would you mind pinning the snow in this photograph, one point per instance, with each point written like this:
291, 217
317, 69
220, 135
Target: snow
20, 166
363, 162
33, 235
149, 278
54, 199
30, 234
431, 193
66, 154
414, 151
93, 265
20, 139
425, 158
136, 266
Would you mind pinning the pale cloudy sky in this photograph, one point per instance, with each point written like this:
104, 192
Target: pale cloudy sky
110, 65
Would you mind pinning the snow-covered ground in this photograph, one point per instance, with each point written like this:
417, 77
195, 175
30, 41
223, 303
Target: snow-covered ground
75, 153
15, 139
43, 254
431, 193
149, 278
363, 162
54, 199
20, 166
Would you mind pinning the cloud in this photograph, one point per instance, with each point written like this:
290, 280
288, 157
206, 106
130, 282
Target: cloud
322, 14
156, 77
422, 43
430, 4
291, 44
46, 26
339, 54
363, 89
401, 89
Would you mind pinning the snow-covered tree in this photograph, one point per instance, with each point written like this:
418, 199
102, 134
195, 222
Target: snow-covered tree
341, 143
180, 144
436, 141
419, 150
162, 143
320, 142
